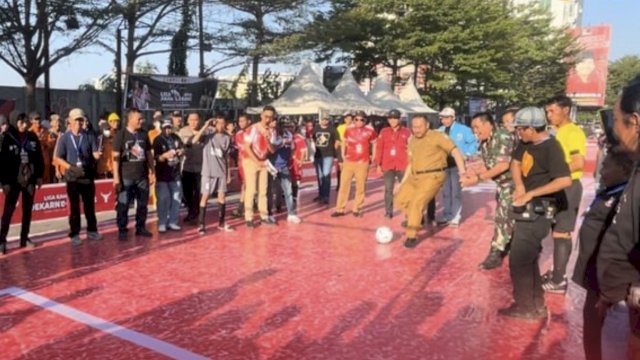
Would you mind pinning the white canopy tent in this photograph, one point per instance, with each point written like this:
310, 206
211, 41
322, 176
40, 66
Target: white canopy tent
305, 96
382, 96
348, 92
411, 98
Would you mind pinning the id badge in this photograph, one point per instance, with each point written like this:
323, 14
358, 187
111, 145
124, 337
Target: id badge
359, 148
79, 164
218, 152
24, 157
393, 152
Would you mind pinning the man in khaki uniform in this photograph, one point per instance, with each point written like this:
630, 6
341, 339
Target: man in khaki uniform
428, 151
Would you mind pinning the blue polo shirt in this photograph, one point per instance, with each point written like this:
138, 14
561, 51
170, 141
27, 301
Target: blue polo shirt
78, 150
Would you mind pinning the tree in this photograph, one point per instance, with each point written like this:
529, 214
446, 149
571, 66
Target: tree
146, 68
179, 43
263, 32
621, 72
27, 26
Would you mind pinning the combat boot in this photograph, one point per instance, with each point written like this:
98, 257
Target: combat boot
493, 260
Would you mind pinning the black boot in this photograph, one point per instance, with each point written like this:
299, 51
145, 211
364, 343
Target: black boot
493, 260
201, 216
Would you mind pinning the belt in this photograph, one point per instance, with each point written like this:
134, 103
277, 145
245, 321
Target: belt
428, 171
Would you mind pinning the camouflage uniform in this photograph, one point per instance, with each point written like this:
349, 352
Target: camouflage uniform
496, 149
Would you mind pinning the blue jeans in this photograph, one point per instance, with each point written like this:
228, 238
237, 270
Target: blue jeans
452, 196
323, 173
281, 185
169, 196
130, 190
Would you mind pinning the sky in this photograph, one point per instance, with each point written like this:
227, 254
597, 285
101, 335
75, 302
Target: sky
92, 63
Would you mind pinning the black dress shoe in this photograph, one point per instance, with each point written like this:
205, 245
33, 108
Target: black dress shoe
337, 214
27, 243
143, 233
410, 243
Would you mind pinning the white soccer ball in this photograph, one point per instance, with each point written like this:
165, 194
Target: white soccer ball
384, 235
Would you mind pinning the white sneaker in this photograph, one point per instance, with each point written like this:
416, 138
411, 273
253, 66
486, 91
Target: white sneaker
162, 228
174, 227
294, 219
226, 228
94, 235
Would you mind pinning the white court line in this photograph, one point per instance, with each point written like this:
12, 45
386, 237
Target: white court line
105, 326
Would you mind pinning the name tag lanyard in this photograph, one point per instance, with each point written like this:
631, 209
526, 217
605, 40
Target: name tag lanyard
77, 147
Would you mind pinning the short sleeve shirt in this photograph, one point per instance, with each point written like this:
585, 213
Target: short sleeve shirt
497, 149
239, 142
300, 145
541, 163
78, 150
168, 170
133, 148
430, 152
258, 142
358, 141
216, 149
574, 142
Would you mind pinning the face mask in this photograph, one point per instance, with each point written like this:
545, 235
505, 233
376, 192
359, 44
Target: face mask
106, 133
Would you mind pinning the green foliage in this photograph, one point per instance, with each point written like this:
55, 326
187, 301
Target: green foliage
179, 42
466, 47
621, 72
146, 68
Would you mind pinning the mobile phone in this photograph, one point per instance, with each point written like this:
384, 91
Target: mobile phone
606, 117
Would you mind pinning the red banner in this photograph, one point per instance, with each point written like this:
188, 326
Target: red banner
587, 81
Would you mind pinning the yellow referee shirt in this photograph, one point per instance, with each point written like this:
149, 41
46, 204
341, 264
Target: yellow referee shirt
573, 142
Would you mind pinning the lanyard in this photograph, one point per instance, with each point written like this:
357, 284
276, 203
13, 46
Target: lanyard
21, 143
76, 145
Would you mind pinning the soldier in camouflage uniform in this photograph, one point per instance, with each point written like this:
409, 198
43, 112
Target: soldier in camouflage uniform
496, 145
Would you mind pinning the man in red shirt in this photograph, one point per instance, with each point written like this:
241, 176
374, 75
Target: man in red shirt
243, 123
299, 156
256, 149
391, 156
356, 154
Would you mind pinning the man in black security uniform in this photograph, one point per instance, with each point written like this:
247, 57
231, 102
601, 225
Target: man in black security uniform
22, 170
615, 171
132, 164
77, 153
618, 262
539, 174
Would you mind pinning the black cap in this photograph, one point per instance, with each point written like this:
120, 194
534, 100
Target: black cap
394, 114
361, 113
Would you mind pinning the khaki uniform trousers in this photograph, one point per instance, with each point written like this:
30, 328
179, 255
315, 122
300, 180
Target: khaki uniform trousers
256, 178
414, 194
351, 169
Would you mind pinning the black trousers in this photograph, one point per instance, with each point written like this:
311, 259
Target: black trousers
191, 192
526, 246
11, 193
390, 178
86, 192
130, 190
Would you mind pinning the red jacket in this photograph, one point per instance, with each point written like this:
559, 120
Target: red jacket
392, 149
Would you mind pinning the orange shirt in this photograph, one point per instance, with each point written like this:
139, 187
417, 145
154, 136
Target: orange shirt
47, 145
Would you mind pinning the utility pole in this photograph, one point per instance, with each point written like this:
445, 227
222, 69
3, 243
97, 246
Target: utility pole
201, 38
119, 71
47, 83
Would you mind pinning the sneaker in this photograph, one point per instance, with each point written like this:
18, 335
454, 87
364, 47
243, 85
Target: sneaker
357, 213
201, 230
410, 243
337, 214
454, 223
518, 312
94, 235
75, 240
174, 227
225, 228
555, 288
294, 219
388, 216
27, 243
269, 220
143, 233
547, 276
162, 229
123, 235
443, 223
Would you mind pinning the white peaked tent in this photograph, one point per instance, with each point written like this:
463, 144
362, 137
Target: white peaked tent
411, 98
349, 93
305, 96
382, 96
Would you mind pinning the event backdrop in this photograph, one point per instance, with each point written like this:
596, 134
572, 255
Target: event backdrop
150, 92
587, 81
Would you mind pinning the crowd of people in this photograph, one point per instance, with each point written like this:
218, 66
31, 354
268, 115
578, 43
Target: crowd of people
535, 156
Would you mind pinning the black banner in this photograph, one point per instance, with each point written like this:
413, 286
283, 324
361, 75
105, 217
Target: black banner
150, 92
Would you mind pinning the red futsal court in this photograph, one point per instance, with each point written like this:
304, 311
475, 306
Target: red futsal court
323, 289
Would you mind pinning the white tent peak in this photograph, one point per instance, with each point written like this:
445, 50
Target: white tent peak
411, 98
382, 96
349, 92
